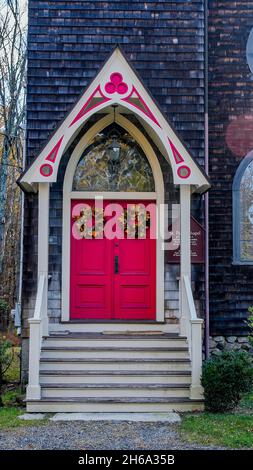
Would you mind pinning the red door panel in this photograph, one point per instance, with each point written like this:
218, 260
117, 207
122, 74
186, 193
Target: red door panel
87, 263
113, 279
135, 283
134, 257
90, 279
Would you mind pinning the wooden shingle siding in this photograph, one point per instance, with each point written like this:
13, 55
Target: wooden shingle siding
68, 41
230, 95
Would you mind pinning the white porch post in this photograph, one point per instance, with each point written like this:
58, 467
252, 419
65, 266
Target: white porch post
196, 390
185, 250
43, 234
190, 325
39, 322
33, 391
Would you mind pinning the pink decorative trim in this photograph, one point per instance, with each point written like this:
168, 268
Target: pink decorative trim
53, 154
46, 165
177, 156
84, 109
116, 85
147, 111
184, 167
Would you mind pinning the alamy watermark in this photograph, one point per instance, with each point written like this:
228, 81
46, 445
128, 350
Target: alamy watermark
132, 220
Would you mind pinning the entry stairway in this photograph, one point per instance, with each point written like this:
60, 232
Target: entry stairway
114, 372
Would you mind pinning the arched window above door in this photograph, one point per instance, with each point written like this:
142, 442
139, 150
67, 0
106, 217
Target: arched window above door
243, 212
114, 162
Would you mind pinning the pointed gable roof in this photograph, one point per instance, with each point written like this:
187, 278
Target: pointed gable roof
116, 83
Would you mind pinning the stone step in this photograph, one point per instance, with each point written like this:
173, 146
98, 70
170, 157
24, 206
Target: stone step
117, 364
117, 377
114, 391
107, 405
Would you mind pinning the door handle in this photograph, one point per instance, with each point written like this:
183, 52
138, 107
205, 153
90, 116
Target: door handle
116, 264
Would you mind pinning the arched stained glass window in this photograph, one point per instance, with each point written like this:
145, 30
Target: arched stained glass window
114, 162
243, 211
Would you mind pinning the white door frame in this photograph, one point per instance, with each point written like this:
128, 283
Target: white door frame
68, 194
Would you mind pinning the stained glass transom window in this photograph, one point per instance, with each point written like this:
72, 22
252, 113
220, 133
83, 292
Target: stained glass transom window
114, 162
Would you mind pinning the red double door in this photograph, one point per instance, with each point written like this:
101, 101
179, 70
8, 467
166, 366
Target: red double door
112, 279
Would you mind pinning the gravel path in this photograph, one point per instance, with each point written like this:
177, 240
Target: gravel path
102, 435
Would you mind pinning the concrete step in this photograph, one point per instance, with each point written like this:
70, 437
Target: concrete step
116, 364
109, 352
117, 377
117, 326
114, 341
114, 391
115, 333
107, 405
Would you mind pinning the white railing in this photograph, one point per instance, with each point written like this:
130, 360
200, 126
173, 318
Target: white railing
194, 336
38, 329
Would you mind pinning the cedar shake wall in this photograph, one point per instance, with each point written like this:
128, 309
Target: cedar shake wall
230, 95
68, 41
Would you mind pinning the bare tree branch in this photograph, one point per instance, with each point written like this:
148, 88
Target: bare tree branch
12, 96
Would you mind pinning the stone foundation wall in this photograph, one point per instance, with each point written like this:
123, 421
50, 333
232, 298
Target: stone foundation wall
220, 343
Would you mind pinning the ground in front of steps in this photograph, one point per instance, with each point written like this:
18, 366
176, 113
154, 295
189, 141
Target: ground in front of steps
96, 435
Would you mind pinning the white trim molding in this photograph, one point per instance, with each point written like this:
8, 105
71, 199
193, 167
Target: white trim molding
194, 337
117, 83
185, 253
43, 245
237, 210
68, 194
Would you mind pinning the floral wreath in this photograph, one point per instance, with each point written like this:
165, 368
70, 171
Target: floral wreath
133, 220
86, 227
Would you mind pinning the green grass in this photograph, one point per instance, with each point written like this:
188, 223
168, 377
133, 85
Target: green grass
9, 419
10, 411
12, 397
226, 430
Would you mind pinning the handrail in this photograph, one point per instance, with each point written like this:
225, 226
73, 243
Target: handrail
190, 300
39, 298
194, 335
38, 329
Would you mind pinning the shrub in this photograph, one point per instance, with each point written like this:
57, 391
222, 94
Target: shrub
6, 357
250, 326
226, 378
4, 307
4, 313
12, 336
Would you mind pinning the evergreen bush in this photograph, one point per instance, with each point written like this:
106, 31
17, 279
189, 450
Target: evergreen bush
226, 378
